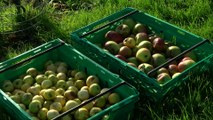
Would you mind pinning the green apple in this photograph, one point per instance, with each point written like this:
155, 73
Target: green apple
81, 114
77, 100
7, 86
173, 51
61, 84
56, 105
16, 98
32, 71
112, 47
52, 113
88, 106
49, 94
143, 55
100, 102
28, 79
53, 78
59, 91
70, 104
70, 83
42, 113
17, 83
158, 59
145, 67
61, 99
133, 60
85, 88
70, 94
49, 72
123, 30
39, 98
22, 106
145, 44
162, 70
35, 90
73, 88
80, 75
26, 98
47, 104
139, 28
83, 95
94, 89
141, 37
51, 67
129, 42
175, 75
73, 72
129, 22
114, 98
25, 86
61, 76
92, 79
39, 78
18, 92
79, 84
104, 90
67, 117
46, 84
62, 69
94, 111
35, 106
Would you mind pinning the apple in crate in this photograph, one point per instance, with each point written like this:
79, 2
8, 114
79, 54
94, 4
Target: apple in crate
112, 47
141, 37
143, 55
123, 30
158, 59
158, 44
114, 36
163, 78
185, 64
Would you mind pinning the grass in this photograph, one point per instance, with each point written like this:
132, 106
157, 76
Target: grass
191, 101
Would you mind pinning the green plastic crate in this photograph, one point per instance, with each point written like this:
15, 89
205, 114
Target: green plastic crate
146, 85
75, 60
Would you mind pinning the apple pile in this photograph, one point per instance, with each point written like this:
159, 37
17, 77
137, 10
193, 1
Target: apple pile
44, 95
132, 42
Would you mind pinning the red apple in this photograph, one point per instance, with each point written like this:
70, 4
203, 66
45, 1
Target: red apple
114, 36
121, 57
125, 51
158, 44
163, 78
185, 65
173, 69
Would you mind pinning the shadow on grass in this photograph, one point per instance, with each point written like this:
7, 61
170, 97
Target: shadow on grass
30, 31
